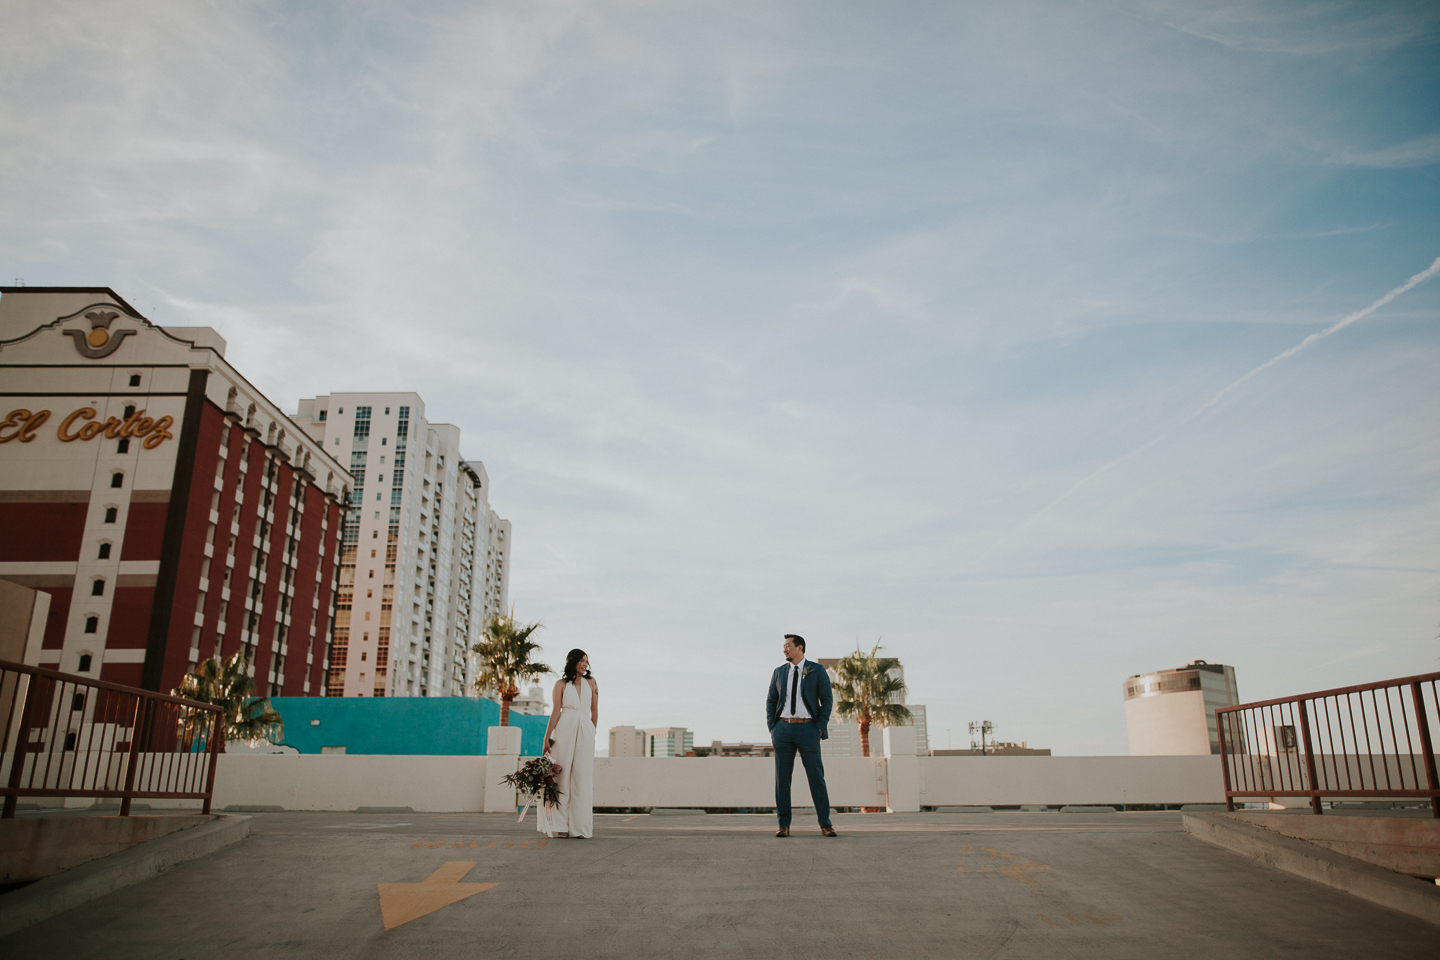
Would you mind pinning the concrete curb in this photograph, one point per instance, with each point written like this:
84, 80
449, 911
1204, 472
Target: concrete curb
1320, 864
78, 885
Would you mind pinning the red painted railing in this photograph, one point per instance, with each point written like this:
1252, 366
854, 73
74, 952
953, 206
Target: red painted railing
1373, 740
71, 736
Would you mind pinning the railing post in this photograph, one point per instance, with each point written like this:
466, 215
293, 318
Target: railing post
1224, 760
1417, 693
133, 758
1309, 756
22, 740
217, 730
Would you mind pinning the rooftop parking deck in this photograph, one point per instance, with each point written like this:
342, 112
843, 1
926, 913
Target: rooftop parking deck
891, 885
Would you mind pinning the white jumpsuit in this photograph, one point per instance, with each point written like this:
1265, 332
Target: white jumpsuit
574, 752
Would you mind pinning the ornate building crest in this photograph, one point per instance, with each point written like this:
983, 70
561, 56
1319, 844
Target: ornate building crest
100, 342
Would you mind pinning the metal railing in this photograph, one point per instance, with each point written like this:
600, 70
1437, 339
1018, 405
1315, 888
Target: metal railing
71, 736
1373, 740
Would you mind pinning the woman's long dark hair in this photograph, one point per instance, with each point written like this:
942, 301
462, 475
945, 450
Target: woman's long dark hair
572, 661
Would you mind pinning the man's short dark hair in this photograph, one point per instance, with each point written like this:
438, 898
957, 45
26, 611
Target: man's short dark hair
796, 639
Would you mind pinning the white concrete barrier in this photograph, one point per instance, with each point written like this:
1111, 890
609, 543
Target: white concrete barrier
1057, 781
730, 782
458, 784
351, 781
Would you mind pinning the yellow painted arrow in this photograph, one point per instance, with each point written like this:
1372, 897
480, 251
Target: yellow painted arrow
403, 902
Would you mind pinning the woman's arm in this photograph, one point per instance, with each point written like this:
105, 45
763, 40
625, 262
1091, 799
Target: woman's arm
557, 697
594, 703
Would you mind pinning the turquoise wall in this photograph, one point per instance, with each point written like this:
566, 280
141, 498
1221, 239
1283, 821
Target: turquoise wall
440, 726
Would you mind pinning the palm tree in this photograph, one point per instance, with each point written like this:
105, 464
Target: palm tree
245, 716
864, 691
505, 659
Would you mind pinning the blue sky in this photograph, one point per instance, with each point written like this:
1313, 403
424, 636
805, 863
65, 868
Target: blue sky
820, 317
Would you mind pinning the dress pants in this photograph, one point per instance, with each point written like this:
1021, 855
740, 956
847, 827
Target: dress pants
788, 738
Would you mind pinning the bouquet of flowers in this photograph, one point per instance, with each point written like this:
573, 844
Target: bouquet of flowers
538, 779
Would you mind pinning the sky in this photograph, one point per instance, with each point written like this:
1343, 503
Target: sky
914, 323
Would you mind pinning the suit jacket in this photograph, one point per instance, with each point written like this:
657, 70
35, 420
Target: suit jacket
814, 690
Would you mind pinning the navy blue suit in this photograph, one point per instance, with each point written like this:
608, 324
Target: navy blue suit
803, 738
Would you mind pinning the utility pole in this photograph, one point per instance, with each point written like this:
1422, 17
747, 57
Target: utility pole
984, 728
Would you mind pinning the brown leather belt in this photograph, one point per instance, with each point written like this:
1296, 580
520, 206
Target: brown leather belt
797, 720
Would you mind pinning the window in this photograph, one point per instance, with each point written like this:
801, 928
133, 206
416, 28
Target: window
384, 440
110, 514
322, 415
387, 411
342, 410
92, 624
84, 664
78, 702
123, 446
364, 655
372, 553
69, 741
117, 479
134, 379
97, 589
129, 411
362, 422
104, 551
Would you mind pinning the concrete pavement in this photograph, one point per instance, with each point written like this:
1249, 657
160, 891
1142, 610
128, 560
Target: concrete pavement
923, 885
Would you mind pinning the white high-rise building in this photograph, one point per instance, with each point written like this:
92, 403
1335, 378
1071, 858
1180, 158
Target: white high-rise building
424, 561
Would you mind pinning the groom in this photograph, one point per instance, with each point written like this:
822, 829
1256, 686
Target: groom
797, 710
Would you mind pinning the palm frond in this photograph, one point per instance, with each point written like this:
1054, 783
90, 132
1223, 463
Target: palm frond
866, 691
230, 687
505, 654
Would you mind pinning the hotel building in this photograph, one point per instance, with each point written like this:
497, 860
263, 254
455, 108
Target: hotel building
424, 561
170, 511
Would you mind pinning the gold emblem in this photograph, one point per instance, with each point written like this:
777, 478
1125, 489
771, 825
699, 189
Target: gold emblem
100, 342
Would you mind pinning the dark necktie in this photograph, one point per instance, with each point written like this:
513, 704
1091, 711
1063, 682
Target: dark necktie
794, 685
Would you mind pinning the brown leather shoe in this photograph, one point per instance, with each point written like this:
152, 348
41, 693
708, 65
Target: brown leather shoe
783, 832
828, 832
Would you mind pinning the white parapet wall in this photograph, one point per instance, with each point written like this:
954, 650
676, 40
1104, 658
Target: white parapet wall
458, 784
730, 782
1057, 781
351, 781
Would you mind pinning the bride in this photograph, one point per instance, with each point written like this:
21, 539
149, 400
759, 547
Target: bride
570, 743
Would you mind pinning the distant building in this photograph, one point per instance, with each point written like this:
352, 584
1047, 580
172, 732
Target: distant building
424, 561
1000, 749
531, 702
668, 742
718, 749
1172, 712
656, 742
845, 734
627, 742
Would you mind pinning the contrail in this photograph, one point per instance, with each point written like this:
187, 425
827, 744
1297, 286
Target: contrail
1336, 327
